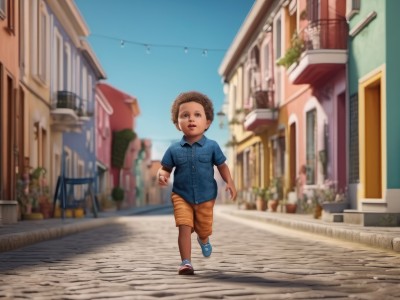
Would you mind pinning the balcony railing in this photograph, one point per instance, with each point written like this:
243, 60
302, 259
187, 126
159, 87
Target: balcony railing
326, 34
69, 110
66, 99
325, 51
263, 114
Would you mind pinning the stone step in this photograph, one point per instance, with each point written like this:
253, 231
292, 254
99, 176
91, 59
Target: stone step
380, 219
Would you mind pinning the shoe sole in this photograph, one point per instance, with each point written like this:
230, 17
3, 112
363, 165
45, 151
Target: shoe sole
186, 271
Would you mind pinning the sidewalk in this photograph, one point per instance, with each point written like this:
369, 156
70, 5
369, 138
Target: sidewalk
25, 233
387, 238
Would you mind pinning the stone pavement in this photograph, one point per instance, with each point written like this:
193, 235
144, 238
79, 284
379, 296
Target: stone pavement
138, 257
28, 232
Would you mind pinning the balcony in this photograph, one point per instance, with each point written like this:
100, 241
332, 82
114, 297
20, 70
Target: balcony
263, 114
325, 51
67, 112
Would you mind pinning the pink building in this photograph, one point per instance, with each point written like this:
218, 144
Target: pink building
125, 109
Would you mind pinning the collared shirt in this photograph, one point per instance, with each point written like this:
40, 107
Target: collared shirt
194, 168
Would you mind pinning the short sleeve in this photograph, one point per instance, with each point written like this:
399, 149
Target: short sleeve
218, 156
167, 160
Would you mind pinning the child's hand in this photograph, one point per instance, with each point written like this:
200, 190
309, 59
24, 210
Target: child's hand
163, 177
232, 190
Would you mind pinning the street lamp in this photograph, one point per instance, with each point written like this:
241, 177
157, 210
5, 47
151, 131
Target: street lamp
221, 118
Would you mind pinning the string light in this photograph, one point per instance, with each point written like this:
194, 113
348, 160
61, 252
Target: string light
147, 46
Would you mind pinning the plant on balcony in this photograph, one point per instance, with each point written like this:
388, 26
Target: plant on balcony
293, 54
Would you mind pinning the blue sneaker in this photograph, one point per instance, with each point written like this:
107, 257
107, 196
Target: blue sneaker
186, 268
205, 248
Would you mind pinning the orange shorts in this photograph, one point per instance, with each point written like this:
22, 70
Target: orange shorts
198, 216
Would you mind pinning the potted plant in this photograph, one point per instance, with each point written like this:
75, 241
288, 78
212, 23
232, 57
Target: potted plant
333, 200
261, 199
118, 195
293, 54
291, 203
33, 194
275, 194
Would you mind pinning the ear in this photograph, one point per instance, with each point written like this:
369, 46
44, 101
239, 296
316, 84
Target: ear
208, 123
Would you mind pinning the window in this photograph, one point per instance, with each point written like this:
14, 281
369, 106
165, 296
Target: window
278, 38
67, 168
313, 10
266, 62
43, 44
311, 145
278, 152
10, 15
3, 9
58, 55
67, 67
353, 143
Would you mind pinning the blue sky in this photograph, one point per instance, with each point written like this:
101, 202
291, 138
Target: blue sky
157, 74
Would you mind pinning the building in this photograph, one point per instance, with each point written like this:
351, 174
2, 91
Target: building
125, 143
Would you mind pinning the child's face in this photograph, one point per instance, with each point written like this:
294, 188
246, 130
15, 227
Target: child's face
192, 119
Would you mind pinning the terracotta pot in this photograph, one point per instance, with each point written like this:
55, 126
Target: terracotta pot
261, 204
291, 208
273, 205
317, 211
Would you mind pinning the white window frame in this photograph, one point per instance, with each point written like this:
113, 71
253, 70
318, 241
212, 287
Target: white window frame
68, 66
67, 162
58, 62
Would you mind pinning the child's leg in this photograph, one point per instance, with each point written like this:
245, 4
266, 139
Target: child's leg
183, 213
185, 242
203, 220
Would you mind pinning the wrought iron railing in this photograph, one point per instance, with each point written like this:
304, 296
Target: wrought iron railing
326, 34
66, 99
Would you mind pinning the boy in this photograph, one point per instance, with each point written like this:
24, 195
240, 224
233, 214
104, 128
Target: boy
194, 187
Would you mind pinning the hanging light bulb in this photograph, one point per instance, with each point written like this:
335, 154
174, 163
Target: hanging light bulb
205, 52
122, 43
186, 50
147, 49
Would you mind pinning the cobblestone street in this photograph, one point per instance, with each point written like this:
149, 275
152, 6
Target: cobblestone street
138, 259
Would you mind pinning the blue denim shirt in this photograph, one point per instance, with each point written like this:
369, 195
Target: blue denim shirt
194, 168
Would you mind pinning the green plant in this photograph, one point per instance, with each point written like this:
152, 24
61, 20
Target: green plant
118, 194
293, 54
120, 142
32, 189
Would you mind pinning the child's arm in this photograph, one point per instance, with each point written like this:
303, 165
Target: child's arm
226, 176
163, 175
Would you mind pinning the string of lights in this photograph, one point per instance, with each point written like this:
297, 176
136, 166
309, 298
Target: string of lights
148, 46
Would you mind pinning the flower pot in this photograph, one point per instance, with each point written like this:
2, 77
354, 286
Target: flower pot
273, 205
261, 204
317, 211
291, 208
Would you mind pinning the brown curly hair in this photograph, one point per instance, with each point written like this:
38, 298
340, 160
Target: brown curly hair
192, 96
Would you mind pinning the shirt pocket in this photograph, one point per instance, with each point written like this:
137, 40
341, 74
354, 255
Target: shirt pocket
181, 160
205, 158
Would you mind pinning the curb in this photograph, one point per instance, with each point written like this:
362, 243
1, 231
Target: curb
14, 241
386, 241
